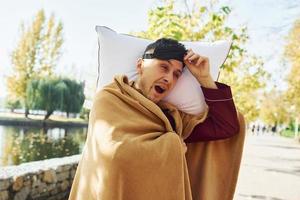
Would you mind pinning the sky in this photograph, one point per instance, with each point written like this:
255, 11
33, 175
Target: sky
268, 23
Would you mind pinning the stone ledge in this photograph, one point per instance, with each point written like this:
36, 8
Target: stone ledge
50, 178
36, 166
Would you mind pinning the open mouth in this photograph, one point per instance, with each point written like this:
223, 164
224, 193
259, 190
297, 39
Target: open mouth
159, 89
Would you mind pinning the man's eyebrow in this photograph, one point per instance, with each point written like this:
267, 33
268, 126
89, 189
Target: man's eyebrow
164, 61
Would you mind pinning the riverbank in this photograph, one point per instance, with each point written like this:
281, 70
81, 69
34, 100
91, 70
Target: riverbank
18, 119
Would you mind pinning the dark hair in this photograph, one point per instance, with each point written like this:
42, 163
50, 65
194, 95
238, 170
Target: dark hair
165, 49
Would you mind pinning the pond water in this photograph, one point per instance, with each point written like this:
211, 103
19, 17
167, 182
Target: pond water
24, 144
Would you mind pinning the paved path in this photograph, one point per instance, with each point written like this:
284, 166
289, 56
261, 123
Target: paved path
270, 169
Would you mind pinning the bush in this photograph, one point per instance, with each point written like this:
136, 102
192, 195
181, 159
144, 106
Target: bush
12, 104
84, 113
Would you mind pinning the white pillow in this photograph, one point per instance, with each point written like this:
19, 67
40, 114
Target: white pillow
118, 54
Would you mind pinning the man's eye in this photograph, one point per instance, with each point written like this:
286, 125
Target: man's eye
177, 75
164, 67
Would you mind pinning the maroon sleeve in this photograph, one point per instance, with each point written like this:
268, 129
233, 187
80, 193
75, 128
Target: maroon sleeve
221, 121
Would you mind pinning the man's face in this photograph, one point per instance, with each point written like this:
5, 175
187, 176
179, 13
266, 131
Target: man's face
158, 77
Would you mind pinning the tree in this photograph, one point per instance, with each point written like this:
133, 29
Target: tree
12, 104
52, 94
292, 53
244, 72
36, 54
274, 108
45, 94
73, 97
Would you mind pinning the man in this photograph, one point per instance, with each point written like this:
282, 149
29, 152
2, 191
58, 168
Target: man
136, 143
159, 74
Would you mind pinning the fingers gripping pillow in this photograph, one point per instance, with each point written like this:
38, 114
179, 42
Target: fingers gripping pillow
118, 54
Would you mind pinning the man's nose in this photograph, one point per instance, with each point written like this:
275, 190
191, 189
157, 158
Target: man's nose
168, 78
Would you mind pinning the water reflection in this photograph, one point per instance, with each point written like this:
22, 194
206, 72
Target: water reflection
25, 144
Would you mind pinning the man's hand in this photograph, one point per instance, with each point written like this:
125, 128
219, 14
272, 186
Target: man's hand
199, 67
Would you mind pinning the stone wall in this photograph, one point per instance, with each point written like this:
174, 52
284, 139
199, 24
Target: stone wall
49, 179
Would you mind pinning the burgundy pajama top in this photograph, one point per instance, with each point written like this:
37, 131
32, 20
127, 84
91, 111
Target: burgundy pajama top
221, 121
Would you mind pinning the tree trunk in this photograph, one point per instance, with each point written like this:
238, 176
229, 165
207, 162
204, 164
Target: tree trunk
48, 114
26, 112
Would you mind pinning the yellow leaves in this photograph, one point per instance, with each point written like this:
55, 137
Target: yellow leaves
36, 53
292, 50
292, 53
245, 80
274, 108
243, 72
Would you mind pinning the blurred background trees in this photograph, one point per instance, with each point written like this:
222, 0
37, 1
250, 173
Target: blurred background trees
274, 108
35, 56
52, 94
33, 84
40, 47
242, 71
292, 54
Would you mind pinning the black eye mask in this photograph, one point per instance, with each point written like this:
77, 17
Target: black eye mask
166, 54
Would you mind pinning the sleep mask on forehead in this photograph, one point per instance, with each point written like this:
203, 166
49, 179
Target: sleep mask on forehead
166, 54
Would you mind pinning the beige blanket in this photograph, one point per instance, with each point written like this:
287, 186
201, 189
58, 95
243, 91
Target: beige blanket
132, 153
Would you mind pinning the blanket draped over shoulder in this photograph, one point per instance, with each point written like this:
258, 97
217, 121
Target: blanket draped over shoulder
132, 153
